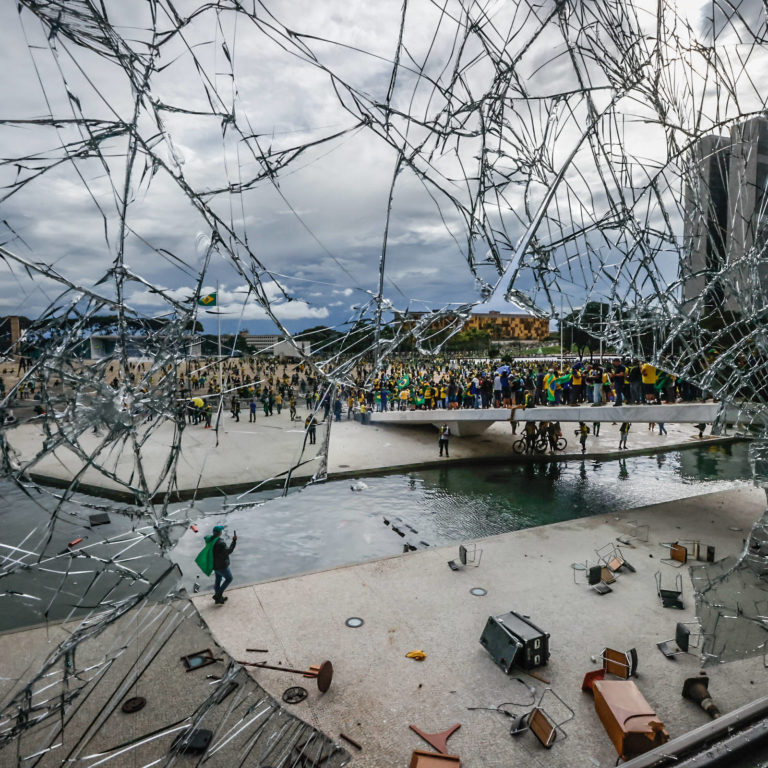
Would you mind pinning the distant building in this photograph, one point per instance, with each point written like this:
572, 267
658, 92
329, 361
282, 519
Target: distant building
11, 328
725, 211
499, 325
108, 345
512, 327
278, 346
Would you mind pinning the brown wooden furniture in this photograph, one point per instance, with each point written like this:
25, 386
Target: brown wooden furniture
627, 717
421, 759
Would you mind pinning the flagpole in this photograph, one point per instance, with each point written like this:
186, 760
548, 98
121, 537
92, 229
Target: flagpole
218, 336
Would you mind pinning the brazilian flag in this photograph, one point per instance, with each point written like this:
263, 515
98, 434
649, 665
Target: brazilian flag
552, 385
208, 300
204, 560
404, 382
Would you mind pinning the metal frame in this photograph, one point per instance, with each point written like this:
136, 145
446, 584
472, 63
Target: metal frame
670, 598
613, 558
678, 554
682, 639
530, 721
622, 664
468, 555
599, 584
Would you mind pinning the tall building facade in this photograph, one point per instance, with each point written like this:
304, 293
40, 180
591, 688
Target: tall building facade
724, 226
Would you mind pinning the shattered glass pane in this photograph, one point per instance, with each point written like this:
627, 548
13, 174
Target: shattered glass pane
576, 159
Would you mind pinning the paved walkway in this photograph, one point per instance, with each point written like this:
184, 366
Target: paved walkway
243, 455
415, 602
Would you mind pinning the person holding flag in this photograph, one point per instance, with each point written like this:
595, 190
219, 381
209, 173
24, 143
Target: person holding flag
214, 558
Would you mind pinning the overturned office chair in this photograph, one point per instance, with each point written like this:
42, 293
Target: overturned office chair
678, 554
670, 597
467, 556
621, 664
541, 723
613, 558
682, 639
598, 576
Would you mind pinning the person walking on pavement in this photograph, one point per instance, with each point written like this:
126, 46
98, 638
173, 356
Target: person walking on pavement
623, 432
445, 434
662, 428
311, 426
221, 553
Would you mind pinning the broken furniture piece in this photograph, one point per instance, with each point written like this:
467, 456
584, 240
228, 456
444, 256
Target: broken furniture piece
467, 556
597, 576
670, 597
438, 741
323, 673
198, 659
702, 552
613, 558
682, 639
678, 554
512, 639
421, 759
540, 722
631, 723
622, 664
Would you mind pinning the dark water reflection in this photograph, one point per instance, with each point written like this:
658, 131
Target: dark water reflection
329, 525
322, 526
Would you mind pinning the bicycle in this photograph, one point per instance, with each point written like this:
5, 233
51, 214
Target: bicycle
520, 446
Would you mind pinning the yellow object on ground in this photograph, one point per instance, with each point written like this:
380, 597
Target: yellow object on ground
418, 655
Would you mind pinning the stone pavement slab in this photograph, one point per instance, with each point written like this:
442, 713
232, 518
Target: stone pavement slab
415, 601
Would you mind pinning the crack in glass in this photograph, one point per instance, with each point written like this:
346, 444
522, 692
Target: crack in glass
574, 155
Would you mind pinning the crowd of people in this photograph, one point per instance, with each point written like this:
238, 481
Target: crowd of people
472, 384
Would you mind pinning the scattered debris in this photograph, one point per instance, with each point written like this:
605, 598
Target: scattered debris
627, 717
513, 639
350, 740
323, 673
437, 740
541, 723
199, 659
696, 689
295, 694
134, 704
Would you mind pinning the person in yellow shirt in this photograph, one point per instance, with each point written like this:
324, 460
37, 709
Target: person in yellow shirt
650, 376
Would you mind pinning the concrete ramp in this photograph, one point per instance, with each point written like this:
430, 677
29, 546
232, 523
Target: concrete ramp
473, 421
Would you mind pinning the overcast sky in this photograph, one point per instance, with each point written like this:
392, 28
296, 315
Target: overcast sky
311, 236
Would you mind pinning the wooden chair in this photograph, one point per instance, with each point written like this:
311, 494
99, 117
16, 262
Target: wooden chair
678, 554
541, 723
613, 558
623, 664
